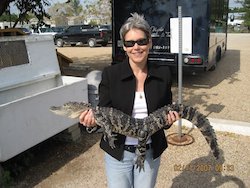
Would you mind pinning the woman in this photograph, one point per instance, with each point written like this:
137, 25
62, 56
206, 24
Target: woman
137, 88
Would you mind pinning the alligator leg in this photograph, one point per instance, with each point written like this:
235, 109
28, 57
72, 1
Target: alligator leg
107, 133
140, 154
141, 148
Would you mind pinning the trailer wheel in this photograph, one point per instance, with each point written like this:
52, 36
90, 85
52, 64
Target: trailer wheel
1, 175
218, 55
217, 59
92, 43
213, 67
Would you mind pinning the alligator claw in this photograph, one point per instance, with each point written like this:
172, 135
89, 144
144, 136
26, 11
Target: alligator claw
112, 142
140, 163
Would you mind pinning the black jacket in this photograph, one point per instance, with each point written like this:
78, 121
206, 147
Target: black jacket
117, 89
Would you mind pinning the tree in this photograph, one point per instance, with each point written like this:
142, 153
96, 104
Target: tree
4, 5
76, 7
27, 7
246, 9
101, 9
61, 11
58, 13
246, 16
7, 17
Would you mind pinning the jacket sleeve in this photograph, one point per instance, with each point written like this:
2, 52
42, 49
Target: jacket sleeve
104, 90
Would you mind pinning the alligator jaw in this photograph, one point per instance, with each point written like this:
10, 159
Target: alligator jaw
71, 109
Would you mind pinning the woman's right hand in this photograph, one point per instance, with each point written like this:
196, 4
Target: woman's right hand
87, 118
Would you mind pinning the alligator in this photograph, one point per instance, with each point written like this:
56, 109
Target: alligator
115, 121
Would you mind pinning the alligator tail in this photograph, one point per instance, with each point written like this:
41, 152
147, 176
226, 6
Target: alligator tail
203, 124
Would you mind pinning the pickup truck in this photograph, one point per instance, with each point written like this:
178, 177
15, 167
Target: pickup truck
107, 28
85, 34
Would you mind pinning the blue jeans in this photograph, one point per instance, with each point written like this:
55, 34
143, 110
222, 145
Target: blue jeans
124, 174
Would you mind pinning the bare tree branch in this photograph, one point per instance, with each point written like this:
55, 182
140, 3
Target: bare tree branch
4, 5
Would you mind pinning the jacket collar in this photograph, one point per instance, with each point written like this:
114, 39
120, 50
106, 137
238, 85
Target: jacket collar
126, 71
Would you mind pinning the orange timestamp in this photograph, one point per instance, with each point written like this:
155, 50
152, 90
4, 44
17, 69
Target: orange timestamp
204, 167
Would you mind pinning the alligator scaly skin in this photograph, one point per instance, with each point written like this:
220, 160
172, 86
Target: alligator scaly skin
115, 121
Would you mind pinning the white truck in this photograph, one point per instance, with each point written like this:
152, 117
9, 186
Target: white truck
47, 30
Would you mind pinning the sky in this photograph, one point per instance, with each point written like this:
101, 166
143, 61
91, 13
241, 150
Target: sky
233, 4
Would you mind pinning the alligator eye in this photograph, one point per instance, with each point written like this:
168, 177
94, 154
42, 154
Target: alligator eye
143, 134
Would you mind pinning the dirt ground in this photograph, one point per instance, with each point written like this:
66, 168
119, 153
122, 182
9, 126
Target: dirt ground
222, 94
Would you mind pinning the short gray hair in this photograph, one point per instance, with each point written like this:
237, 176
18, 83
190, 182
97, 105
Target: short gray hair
136, 21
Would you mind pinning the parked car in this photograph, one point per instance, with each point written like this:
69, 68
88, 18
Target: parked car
85, 34
25, 30
48, 30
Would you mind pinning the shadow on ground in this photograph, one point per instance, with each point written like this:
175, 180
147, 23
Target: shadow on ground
226, 71
36, 164
205, 173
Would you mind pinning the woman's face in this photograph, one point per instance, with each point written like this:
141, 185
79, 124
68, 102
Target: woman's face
138, 53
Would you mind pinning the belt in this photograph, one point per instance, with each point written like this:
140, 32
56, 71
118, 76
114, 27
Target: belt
132, 148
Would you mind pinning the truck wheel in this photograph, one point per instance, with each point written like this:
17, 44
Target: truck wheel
104, 43
59, 42
92, 43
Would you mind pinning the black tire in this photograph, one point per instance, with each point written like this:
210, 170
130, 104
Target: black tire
59, 42
1, 176
72, 45
104, 44
218, 55
217, 59
92, 42
213, 67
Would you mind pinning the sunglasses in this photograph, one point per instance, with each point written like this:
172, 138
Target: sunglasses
131, 43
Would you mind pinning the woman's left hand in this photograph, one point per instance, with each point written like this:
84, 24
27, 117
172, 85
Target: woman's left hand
172, 116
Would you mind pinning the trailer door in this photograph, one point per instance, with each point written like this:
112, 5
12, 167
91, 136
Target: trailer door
156, 12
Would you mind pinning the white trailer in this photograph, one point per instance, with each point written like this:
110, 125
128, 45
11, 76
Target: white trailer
31, 82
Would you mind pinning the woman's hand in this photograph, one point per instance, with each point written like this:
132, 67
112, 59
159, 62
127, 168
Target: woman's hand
172, 116
87, 118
